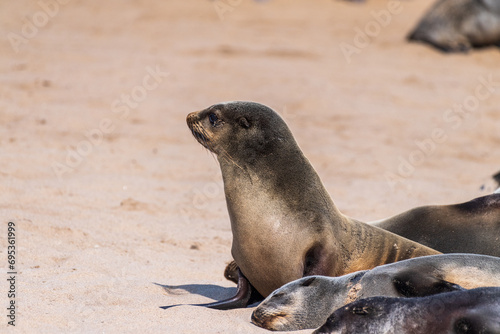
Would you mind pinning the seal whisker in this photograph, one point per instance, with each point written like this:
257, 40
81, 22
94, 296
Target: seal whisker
228, 157
206, 140
201, 135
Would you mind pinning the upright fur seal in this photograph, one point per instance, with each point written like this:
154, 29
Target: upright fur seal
459, 25
460, 312
284, 223
307, 302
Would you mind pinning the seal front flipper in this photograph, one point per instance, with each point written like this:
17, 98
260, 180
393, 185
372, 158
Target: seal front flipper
413, 283
245, 295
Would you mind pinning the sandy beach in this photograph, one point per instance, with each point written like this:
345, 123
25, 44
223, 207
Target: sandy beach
117, 210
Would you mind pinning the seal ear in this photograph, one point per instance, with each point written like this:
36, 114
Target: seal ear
244, 123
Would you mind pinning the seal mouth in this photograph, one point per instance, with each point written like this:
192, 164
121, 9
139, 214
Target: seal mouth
199, 132
257, 320
271, 321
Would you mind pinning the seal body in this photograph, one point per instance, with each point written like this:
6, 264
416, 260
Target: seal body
284, 223
468, 311
459, 25
307, 302
470, 227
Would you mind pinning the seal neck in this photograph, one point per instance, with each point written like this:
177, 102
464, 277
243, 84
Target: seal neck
285, 175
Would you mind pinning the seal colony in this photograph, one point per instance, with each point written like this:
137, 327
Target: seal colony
285, 225
307, 302
459, 25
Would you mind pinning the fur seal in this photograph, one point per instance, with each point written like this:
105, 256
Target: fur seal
459, 25
470, 227
459, 312
284, 223
307, 302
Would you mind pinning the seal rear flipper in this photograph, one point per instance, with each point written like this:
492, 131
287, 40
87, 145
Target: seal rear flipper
412, 283
245, 295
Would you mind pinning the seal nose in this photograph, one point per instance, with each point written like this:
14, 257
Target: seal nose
264, 319
257, 317
192, 117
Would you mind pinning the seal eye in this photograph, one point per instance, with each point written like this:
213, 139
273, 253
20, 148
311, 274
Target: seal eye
213, 119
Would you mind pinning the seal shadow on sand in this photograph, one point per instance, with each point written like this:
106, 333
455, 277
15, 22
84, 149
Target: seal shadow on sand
212, 291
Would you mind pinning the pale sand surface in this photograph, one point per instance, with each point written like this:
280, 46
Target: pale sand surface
143, 209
